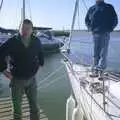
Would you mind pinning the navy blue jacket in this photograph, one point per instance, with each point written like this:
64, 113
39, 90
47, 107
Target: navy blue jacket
25, 61
101, 18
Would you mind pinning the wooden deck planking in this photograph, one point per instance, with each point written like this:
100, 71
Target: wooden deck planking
6, 111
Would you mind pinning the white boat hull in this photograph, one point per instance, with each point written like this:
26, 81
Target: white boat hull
87, 105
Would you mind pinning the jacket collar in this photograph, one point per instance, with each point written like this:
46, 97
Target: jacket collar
100, 2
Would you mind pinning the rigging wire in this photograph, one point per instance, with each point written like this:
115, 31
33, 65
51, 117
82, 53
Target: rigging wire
73, 23
117, 106
99, 105
83, 107
112, 96
1, 4
78, 16
85, 4
85, 99
30, 12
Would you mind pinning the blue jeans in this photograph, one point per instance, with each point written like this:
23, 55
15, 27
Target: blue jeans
101, 43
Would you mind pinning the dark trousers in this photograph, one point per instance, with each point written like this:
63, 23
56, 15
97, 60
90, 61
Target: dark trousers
18, 88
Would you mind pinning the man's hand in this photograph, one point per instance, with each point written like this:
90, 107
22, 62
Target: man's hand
8, 74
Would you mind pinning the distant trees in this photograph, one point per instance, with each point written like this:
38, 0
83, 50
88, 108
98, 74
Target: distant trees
60, 33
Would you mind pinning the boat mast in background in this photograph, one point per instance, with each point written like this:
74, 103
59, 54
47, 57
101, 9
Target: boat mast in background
1, 5
73, 23
23, 11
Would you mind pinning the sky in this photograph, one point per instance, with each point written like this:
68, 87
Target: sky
48, 13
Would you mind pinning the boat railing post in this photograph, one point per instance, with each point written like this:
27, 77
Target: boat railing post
104, 101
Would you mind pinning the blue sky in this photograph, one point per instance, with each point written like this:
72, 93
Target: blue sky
49, 13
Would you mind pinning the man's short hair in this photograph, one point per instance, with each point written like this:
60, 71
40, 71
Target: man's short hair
27, 21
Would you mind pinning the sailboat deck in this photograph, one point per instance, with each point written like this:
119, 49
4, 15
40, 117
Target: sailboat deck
81, 84
6, 112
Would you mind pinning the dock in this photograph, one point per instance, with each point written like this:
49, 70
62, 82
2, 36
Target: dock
6, 109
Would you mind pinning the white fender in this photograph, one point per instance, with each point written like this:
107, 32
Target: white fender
70, 105
77, 114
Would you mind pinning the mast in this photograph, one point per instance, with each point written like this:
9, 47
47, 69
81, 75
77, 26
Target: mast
1, 5
23, 11
73, 23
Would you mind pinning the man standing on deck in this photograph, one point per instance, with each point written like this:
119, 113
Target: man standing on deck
26, 55
101, 19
